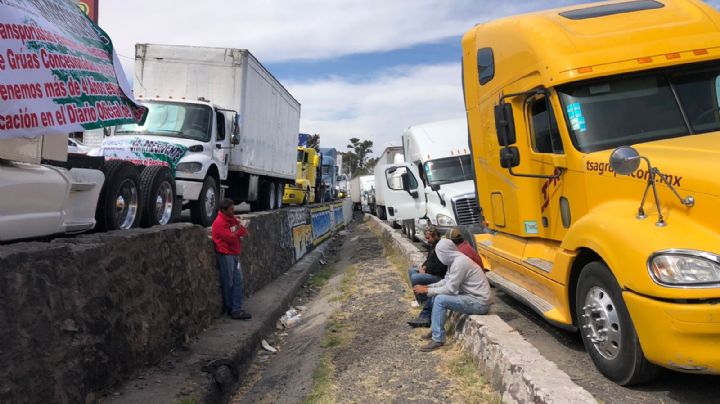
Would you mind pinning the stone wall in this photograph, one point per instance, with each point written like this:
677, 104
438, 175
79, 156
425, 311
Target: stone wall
79, 315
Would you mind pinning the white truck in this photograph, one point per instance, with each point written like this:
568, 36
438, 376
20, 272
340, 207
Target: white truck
362, 193
438, 186
384, 181
218, 120
44, 191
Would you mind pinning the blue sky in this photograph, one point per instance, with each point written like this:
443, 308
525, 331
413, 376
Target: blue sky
366, 69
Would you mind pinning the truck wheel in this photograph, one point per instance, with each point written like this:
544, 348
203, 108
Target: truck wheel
120, 205
411, 231
606, 328
279, 194
306, 197
267, 196
203, 210
158, 196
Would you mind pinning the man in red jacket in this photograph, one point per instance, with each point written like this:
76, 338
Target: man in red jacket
226, 234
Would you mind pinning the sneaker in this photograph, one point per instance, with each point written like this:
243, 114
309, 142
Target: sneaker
241, 315
427, 336
431, 346
419, 322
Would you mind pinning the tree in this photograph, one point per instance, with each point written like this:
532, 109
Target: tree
358, 156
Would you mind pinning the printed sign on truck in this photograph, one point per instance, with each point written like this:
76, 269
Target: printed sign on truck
58, 72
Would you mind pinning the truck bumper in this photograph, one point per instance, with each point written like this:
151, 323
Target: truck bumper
293, 195
188, 190
678, 336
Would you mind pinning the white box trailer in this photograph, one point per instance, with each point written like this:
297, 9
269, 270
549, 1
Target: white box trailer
362, 192
218, 119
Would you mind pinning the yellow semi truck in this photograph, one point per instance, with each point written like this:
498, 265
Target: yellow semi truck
621, 243
302, 192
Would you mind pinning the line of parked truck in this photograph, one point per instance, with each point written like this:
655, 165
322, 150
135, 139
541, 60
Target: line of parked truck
426, 181
218, 124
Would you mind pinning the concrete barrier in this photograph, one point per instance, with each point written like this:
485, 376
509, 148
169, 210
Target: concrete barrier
79, 315
514, 367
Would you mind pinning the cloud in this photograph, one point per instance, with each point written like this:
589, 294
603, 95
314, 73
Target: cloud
381, 109
300, 30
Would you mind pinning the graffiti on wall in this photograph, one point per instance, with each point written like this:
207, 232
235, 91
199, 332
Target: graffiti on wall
322, 223
300, 231
338, 218
302, 239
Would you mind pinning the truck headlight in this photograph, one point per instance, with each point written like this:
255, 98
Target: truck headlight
189, 167
684, 268
443, 220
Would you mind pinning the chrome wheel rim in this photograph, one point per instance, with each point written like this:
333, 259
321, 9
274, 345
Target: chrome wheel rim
126, 204
164, 203
210, 202
601, 323
271, 197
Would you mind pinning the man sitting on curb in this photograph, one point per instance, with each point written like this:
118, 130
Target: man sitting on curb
226, 234
464, 247
431, 271
465, 289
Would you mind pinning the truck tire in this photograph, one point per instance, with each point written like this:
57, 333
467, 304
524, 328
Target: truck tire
267, 196
120, 204
606, 328
203, 210
279, 195
411, 231
158, 196
306, 198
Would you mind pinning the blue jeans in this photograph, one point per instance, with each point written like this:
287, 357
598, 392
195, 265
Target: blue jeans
440, 304
416, 278
231, 282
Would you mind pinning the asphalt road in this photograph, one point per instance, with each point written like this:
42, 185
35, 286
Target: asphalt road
567, 351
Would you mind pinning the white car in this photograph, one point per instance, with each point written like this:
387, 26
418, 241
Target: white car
76, 147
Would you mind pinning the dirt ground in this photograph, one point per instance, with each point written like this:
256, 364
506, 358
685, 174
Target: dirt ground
353, 343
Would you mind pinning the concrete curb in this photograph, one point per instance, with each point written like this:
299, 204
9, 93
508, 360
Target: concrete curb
514, 367
211, 369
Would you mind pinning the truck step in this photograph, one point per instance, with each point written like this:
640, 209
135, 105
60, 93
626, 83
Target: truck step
82, 186
535, 302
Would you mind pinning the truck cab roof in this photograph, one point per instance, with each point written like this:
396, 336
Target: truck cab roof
435, 140
597, 39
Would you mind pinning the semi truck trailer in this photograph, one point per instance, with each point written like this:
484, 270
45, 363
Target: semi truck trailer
437, 155
218, 121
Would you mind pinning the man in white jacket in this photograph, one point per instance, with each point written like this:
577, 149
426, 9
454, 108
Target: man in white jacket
464, 289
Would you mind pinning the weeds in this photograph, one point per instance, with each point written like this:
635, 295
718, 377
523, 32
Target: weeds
322, 383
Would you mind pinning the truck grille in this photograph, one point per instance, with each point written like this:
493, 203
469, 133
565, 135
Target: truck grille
467, 210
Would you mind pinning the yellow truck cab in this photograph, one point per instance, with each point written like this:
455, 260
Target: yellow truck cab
302, 191
595, 133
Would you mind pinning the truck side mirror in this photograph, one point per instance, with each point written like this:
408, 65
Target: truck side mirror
235, 140
509, 157
625, 160
236, 125
504, 124
435, 187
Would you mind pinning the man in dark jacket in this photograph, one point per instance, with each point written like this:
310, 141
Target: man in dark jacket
431, 271
226, 234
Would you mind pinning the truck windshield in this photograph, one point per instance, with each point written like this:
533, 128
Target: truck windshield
620, 111
447, 170
190, 121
